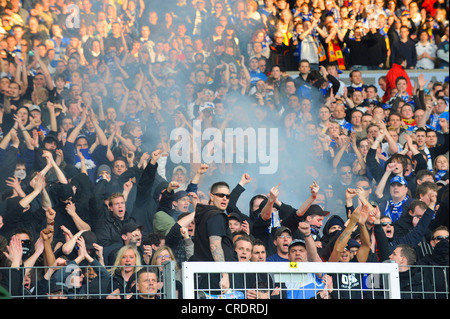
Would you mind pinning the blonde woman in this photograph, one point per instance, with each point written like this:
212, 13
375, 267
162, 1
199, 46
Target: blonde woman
126, 265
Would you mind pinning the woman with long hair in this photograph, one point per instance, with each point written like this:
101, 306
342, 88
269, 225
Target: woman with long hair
123, 272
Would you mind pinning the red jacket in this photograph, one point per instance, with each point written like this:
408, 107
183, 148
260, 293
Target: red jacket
396, 71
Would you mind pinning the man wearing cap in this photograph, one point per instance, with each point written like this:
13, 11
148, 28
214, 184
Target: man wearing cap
255, 73
235, 222
282, 239
179, 204
131, 234
36, 114
312, 286
314, 216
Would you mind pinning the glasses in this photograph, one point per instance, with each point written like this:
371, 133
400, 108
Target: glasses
222, 195
285, 236
387, 223
440, 238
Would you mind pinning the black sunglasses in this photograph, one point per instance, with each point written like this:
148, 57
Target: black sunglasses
222, 195
387, 223
440, 238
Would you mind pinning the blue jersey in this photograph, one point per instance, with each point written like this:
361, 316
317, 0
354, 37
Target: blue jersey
308, 288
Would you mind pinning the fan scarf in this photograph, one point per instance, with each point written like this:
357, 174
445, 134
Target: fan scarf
335, 53
88, 160
440, 174
394, 211
320, 50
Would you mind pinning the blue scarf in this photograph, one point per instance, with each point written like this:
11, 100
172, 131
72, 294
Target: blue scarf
439, 175
87, 159
394, 211
404, 97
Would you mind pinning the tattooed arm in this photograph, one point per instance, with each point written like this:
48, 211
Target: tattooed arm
343, 238
215, 244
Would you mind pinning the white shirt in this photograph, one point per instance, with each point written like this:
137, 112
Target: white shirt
425, 63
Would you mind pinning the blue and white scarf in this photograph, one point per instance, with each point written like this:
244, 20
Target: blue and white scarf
404, 97
440, 174
395, 210
88, 159
429, 161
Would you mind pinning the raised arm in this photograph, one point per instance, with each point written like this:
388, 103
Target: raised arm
50, 161
307, 203
342, 240
39, 184
364, 249
266, 212
79, 223
311, 248
76, 131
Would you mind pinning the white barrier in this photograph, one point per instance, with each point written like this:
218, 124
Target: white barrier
285, 271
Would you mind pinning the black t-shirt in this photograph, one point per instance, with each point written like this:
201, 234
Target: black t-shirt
348, 286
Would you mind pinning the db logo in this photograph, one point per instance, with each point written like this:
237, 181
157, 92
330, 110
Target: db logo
73, 19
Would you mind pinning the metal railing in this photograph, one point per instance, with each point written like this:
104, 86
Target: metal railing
200, 280
85, 282
284, 280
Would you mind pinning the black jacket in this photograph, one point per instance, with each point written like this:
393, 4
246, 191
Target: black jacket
436, 278
108, 232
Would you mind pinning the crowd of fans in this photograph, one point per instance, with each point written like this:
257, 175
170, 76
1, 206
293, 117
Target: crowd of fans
91, 91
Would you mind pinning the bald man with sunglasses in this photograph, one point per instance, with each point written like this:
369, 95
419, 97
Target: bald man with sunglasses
212, 238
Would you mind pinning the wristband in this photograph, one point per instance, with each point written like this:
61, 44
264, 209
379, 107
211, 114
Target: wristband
306, 236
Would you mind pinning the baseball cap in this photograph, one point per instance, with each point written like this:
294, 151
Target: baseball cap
281, 230
56, 287
178, 195
316, 210
398, 179
130, 227
90, 239
353, 243
235, 216
296, 242
34, 107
